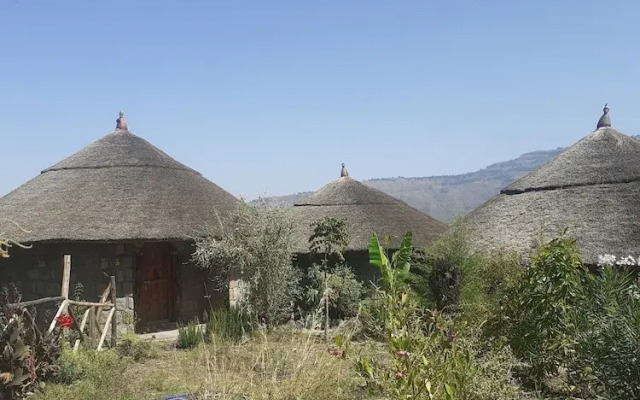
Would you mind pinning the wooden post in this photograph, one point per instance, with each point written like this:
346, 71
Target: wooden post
104, 331
66, 277
114, 321
63, 305
92, 324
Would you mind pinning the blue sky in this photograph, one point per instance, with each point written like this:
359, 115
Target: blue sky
269, 97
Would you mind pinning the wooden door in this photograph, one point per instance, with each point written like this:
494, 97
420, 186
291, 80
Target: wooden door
154, 283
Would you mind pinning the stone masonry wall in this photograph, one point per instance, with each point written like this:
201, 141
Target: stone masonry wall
37, 272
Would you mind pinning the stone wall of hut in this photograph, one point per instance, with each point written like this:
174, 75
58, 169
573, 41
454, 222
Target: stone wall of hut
37, 273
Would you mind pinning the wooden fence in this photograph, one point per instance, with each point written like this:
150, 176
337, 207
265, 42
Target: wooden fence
90, 318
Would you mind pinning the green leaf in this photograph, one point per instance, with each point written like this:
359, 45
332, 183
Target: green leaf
376, 253
449, 390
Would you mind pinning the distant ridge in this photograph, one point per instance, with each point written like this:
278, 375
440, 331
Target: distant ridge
446, 197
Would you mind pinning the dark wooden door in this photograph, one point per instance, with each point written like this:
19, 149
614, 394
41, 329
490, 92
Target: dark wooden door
154, 283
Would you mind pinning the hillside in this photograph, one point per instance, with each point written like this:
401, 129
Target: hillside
445, 197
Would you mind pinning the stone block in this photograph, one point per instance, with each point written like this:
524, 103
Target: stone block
33, 274
119, 276
121, 303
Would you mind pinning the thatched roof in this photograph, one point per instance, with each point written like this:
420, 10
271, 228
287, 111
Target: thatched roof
592, 189
118, 188
366, 210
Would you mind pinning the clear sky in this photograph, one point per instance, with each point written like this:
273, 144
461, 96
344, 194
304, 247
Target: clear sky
269, 97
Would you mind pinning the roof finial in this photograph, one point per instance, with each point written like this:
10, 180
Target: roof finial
121, 123
604, 121
343, 171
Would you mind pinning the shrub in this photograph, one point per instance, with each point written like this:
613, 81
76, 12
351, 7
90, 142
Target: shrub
344, 291
426, 356
132, 346
232, 324
27, 356
257, 249
604, 362
536, 312
189, 336
445, 276
90, 365
445, 282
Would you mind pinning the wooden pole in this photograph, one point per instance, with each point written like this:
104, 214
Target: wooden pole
89, 303
63, 305
66, 275
36, 302
76, 346
114, 322
104, 331
92, 324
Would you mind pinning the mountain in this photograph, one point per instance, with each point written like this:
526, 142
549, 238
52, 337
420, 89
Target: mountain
449, 196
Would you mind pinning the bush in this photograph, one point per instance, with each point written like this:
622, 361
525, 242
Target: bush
27, 356
344, 291
605, 360
536, 312
232, 324
90, 365
427, 355
445, 276
189, 336
578, 327
132, 346
445, 282
258, 250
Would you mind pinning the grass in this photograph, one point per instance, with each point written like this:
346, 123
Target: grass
275, 366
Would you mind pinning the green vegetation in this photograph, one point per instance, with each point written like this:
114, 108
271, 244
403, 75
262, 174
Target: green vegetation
330, 283
257, 249
189, 336
27, 356
233, 325
442, 323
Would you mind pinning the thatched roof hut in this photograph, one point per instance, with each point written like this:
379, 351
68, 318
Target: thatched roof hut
591, 189
366, 210
121, 207
120, 187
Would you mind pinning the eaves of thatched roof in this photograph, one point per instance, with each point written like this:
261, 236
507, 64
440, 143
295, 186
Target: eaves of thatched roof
118, 188
367, 211
591, 189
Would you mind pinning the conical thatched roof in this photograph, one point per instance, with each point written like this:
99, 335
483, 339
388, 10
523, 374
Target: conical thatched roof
366, 210
592, 189
118, 188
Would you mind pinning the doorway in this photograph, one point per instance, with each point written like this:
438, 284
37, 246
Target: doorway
155, 285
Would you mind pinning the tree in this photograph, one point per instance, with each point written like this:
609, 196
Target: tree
326, 243
257, 248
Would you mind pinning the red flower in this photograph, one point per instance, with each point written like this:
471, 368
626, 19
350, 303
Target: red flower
64, 320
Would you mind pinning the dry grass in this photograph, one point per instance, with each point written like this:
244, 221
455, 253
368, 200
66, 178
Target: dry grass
276, 366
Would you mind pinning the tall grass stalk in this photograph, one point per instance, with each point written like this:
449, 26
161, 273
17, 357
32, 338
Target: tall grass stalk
234, 324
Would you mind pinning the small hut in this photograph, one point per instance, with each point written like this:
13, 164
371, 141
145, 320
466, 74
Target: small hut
122, 207
591, 189
366, 211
